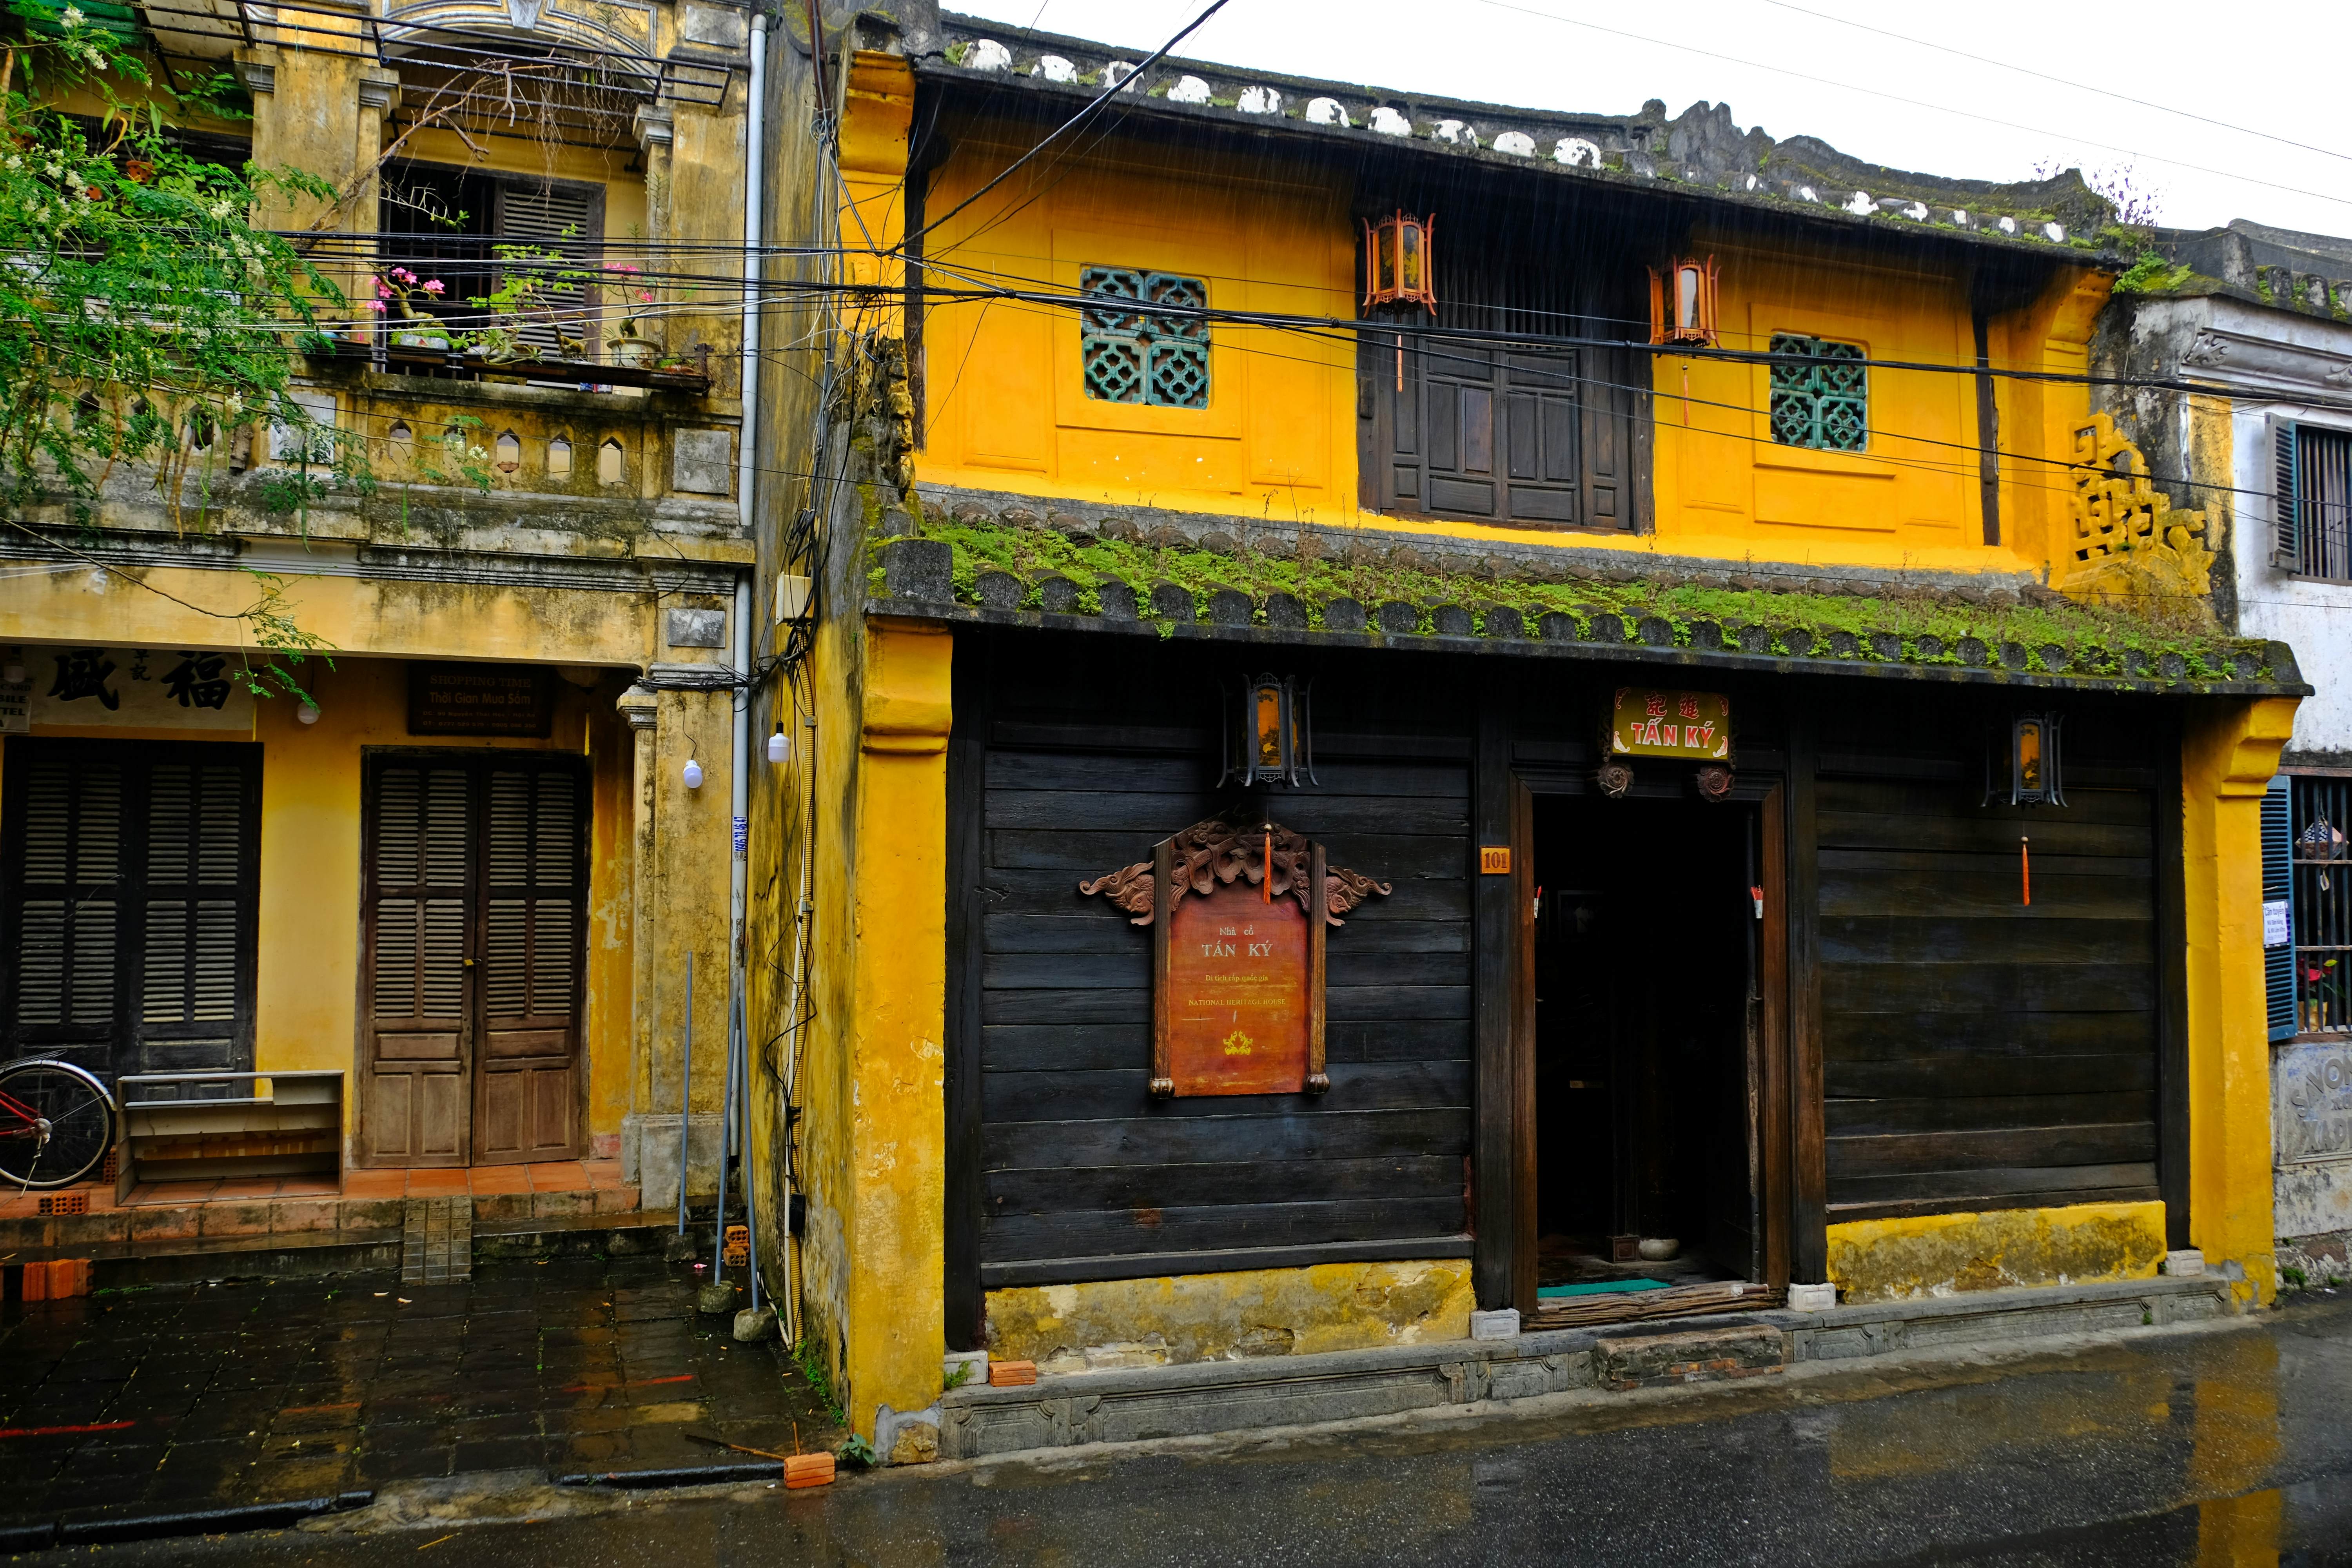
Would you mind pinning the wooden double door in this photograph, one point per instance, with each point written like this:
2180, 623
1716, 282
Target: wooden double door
473, 926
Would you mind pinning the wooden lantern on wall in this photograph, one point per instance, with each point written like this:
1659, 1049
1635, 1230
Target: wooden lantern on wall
1397, 271
2030, 773
1682, 302
1269, 739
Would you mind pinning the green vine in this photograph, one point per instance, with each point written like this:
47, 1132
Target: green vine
1929, 631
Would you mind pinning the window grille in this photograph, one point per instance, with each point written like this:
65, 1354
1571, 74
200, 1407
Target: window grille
2322, 905
1821, 393
1142, 356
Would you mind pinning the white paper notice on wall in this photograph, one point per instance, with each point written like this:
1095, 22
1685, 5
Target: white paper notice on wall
2274, 926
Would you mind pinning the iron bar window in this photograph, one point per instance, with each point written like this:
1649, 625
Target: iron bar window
2323, 497
2323, 905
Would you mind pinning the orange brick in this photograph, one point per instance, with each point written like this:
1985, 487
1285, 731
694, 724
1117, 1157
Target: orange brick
35, 1282
1011, 1373
808, 1471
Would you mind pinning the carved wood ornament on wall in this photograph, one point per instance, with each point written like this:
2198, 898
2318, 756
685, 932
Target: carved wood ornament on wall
1238, 910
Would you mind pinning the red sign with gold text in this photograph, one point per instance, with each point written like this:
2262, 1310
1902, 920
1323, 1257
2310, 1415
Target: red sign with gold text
1237, 994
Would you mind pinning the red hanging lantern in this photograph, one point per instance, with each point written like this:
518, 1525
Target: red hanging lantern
1398, 274
1682, 302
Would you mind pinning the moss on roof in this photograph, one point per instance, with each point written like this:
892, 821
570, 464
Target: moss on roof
1916, 629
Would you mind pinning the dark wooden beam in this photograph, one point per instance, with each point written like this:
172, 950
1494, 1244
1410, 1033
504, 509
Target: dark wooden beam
2172, 989
1495, 1164
1809, 1240
965, 1306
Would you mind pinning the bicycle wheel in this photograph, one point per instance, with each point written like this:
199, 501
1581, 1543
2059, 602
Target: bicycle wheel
56, 1124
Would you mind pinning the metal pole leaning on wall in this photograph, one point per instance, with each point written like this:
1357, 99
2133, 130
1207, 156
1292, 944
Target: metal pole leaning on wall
751, 1146
686, 1095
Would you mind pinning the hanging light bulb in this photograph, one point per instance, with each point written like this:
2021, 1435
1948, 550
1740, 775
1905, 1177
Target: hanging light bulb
307, 713
780, 745
13, 672
693, 773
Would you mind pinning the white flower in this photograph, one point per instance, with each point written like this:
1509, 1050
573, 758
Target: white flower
70, 16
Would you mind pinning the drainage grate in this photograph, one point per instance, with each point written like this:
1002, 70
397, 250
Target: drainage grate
437, 1246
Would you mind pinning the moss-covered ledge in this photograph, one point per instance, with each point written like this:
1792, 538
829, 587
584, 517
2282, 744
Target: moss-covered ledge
1008, 574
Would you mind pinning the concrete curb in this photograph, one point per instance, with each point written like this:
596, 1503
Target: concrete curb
1201, 1399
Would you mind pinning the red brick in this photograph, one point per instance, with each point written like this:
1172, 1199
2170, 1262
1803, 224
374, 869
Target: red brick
1011, 1373
808, 1471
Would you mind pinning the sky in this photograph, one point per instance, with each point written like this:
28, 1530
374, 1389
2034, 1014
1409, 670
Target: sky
2259, 82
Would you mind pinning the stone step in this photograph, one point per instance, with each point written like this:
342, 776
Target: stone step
1201, 1398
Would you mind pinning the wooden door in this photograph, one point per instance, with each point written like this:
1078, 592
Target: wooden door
527, 1069
477, 882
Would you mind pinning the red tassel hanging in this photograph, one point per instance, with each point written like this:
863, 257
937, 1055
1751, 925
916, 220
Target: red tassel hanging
2025, 868
1266, 887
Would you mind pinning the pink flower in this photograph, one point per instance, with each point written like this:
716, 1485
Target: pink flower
433, 285
645, 296
625, 267
375, 305
403, 274
383, 290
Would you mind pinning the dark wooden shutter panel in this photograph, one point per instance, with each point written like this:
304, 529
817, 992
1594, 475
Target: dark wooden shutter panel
528, 1089
2286, 507
2278, 884
414, 1060
128, 893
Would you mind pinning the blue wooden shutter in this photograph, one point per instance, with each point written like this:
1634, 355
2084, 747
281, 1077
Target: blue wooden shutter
2278, 888
2286, 498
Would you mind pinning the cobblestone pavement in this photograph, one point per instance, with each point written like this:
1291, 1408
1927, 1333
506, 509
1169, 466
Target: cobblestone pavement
189, 1397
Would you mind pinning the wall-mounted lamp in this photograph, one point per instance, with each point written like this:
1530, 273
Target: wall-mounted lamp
1271, 738
1397, 270
780, 745
1682, 301
2034, 774
693, 773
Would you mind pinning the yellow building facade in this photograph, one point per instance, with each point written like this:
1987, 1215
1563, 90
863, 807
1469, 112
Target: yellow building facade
1968, 1041
528, 616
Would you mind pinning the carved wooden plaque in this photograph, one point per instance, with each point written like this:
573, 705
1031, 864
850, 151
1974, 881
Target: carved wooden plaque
1239, 913
1239, 995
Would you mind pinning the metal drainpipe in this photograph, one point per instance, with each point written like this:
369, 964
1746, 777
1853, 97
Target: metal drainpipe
746, 477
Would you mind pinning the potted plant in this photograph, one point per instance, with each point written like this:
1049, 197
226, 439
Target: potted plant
401, 288
632, 343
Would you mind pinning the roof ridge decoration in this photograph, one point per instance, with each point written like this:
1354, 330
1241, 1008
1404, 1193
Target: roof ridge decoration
1703, 148
2132, 547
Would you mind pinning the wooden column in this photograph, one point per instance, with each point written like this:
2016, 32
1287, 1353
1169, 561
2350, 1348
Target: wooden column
965, 1301
1495, 1088
1808, 1233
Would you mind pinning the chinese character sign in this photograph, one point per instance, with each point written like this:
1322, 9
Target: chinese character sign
158, 688
1649, 721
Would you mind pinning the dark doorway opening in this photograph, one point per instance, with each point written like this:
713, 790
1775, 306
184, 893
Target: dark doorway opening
1646, 952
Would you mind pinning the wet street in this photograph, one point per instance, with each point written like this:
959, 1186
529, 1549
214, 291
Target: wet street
2230, 1446
142, 1401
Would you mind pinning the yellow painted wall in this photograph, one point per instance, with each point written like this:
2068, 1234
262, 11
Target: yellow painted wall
1006, 403
1939, 1255
1119, 1323
1725, 488
2229, 753
306, 997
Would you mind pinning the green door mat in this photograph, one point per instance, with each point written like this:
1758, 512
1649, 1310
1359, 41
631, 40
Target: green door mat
1597, 1288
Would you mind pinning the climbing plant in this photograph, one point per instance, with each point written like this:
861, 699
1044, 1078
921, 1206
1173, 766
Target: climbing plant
152, 323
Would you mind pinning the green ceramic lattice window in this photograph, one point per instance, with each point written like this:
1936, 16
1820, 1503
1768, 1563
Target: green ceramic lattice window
1134, 356
1822, 399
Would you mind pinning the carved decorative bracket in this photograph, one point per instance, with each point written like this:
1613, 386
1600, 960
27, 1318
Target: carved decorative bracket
1232, 849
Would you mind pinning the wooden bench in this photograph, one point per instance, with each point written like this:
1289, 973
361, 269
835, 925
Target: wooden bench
198, 1127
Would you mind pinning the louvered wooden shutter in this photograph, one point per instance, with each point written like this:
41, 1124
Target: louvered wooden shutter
69, 903
567, 220
2286, 496
2278, 896
192, 950
414, 1071
534, 885
127, 903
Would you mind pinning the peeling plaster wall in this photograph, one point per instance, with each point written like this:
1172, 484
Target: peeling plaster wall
1231, 1317
1943, 1255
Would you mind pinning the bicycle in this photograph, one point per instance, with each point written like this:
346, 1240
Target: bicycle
57, 1122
